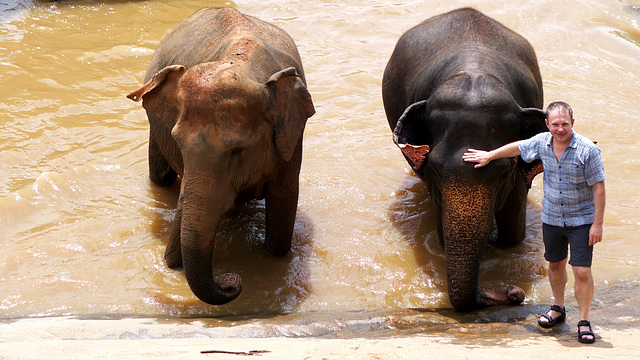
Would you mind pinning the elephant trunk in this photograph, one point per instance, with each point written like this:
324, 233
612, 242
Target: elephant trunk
467, 220
201, 213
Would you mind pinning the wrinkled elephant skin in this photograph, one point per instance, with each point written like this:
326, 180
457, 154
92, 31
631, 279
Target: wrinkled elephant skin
457, 81
227, 103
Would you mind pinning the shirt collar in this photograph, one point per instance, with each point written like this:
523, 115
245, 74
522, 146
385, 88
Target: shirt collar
574, 141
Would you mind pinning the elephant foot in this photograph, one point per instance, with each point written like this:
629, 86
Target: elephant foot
510, 295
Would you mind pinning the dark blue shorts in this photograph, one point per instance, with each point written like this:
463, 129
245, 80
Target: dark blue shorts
558, 241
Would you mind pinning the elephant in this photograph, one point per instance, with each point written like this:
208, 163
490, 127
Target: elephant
227, 103
456, 81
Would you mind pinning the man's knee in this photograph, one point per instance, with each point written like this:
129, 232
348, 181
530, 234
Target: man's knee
558, 265
582, 274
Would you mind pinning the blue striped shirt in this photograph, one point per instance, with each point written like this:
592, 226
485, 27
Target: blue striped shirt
568, 192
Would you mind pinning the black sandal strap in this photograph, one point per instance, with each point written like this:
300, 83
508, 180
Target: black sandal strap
547, 316
582, 334
584, 323
551, 321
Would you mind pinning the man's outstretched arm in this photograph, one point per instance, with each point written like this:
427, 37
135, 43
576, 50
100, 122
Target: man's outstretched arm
482, 158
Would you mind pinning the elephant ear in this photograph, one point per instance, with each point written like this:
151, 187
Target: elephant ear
409, 135
533, 122
293, 106
159, 95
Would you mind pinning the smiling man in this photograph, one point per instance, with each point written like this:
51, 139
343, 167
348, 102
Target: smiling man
572, 206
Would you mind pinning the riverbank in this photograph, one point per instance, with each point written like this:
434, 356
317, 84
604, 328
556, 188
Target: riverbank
403, 334
612, 344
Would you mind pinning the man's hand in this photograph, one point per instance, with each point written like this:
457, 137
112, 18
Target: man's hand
595, 234
480, 157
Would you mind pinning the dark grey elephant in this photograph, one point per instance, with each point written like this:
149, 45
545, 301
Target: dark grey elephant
457, 81
227, 104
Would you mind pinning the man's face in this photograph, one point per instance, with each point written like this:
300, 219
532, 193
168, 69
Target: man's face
560, 124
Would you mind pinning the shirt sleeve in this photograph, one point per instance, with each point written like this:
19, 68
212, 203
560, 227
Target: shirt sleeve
594, 168
529, 148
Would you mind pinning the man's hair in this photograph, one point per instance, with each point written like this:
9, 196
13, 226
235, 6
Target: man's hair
559, 105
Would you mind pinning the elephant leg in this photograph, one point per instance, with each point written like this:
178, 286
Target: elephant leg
510, 220
280, 221
160, 172
173, 252
437, 210
281, 205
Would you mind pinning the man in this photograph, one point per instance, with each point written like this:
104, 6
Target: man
572, 206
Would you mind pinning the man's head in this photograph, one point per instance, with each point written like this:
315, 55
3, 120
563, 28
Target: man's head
561, 105
560, 121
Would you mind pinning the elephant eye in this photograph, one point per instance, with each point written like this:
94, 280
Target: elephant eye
236, 151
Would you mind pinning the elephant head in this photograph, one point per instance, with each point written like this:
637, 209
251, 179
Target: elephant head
230, 135
433, 134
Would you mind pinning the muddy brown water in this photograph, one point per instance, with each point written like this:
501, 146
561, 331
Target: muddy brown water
82, 230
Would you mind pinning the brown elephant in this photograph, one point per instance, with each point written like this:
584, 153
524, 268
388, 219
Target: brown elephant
227, 103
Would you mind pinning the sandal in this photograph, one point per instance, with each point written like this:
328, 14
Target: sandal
551, 321
582, 334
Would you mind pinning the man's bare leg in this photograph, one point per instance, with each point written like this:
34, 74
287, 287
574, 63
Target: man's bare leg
584, 293
558, 280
